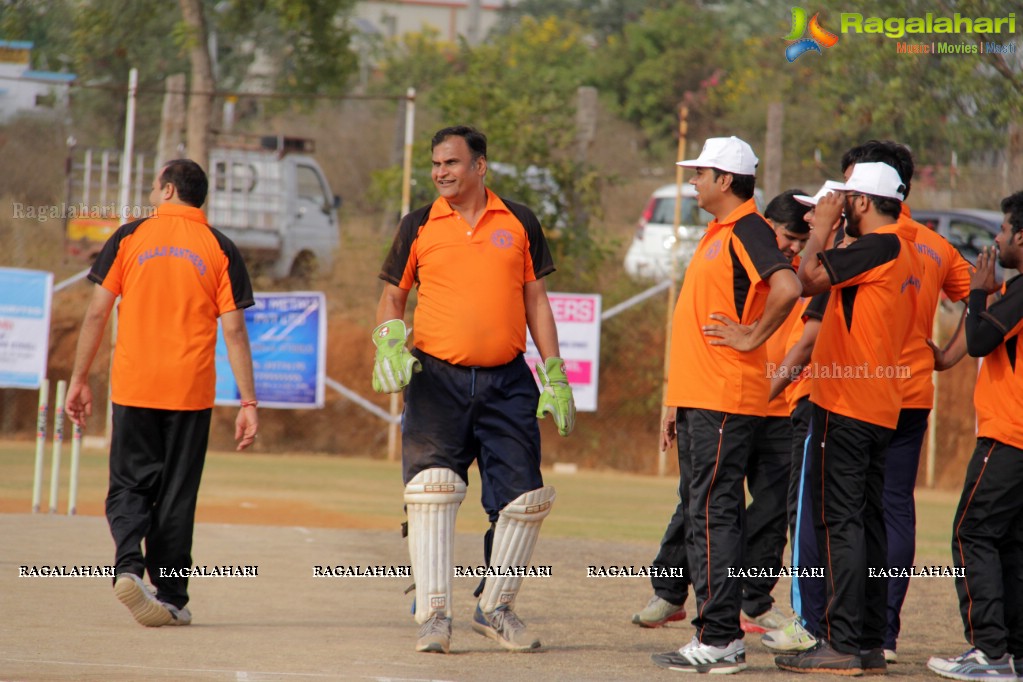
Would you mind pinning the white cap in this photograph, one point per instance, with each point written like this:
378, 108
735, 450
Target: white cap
826, 188
728, 154
876, 179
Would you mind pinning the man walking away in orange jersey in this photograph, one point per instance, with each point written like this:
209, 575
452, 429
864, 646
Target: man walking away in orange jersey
175, 276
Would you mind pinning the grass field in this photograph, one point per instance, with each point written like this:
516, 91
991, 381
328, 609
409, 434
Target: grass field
336, 492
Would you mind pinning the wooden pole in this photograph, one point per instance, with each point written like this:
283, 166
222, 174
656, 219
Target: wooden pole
172, 119
406, 206
683, 127
773, 149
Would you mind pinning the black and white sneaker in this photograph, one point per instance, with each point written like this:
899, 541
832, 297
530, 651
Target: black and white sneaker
973, 665
697, 657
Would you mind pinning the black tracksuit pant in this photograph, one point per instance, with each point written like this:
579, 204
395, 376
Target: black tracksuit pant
719, 447
673, 550
987, 541
846, 480
156, 462
767, 477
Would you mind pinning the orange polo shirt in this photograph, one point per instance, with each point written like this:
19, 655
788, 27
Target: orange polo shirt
944, 269
471, 309
855, 365
175, 276
726, 275
998, 396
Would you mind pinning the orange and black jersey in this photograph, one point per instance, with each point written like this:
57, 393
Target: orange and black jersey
943, 269
855, 368
470, 280
993, 333
727, 275
175, 276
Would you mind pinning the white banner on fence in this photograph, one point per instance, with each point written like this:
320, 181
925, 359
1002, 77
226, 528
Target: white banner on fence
25, 297
578, 320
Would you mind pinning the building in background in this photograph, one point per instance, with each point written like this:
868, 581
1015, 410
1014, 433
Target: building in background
24, 90
471, 19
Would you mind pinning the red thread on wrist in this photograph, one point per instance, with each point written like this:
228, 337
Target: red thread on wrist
249, 403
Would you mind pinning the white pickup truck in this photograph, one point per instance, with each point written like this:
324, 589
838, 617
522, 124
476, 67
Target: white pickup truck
270, 197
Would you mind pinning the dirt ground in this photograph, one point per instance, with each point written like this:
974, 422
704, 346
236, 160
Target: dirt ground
286, 624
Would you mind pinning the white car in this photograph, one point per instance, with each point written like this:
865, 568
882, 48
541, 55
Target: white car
650, 255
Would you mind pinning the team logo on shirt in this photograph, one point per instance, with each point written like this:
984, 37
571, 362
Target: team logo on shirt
502, 239
911, 281
819, 36
713, 250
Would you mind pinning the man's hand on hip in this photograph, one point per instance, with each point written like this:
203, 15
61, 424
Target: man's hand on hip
394, 364
556, 395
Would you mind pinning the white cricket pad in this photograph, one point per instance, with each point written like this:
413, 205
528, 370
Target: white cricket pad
431, 502
518, 526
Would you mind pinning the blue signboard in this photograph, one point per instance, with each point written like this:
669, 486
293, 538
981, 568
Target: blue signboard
287, 332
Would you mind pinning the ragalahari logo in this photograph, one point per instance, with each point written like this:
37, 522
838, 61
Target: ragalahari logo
819, 36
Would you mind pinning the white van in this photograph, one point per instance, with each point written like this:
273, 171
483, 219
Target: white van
269, 196
650, 255
275, 204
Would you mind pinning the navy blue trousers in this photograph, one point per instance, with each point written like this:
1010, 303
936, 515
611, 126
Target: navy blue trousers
902, 461
456, 415
807, 591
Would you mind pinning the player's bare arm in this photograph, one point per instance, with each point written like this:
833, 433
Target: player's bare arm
797, 358
812, 274
540, 319
239, 354
392, 303
954, 351
785, 291
79, 396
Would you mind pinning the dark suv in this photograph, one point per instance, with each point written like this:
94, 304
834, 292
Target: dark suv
967, 229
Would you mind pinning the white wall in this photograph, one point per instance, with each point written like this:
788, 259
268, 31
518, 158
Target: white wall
449, 17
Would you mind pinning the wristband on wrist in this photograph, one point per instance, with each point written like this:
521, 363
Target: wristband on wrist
249, 403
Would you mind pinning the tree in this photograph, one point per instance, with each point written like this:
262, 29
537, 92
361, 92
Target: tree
520, 89
419, 60
309, 41
650, 66
42, 23
200, 98
600, 18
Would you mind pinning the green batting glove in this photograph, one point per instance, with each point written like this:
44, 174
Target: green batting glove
556, 396
394, 365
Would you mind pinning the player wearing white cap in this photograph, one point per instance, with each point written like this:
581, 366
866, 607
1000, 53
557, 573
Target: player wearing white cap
738, 289
875, 284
